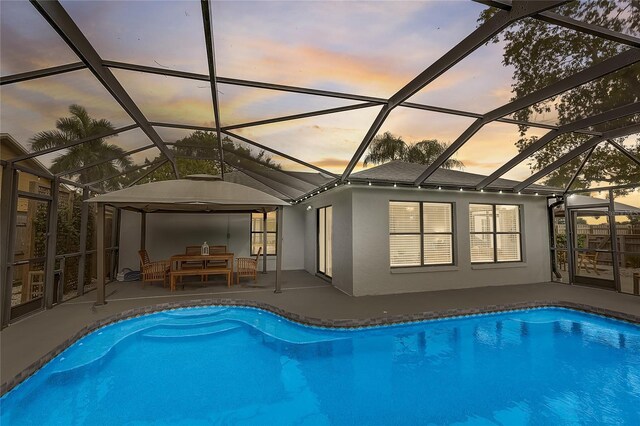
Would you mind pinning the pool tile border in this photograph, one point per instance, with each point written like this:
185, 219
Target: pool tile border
318, 322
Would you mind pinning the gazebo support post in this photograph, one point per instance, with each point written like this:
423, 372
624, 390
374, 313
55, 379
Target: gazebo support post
143, 231
279, 229
100, 299
115, 246
264, 241
84, 221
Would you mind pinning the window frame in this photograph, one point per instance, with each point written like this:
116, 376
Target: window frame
495, 234
422, 234
251, 232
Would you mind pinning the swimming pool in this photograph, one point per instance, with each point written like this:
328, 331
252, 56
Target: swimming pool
237, 365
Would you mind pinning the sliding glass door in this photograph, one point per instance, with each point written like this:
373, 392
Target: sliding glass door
325, 238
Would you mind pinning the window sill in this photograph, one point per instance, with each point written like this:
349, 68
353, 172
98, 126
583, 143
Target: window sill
481, 266
423, 269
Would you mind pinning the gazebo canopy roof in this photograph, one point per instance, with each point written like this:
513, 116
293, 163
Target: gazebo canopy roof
190, 195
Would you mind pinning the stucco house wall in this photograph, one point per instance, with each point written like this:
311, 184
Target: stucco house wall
340, 200
361, 242
372, 273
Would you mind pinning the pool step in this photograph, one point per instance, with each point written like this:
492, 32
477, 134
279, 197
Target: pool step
185, 323
93, 349
195, 313
180, 332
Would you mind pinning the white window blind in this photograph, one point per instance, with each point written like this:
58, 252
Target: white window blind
438, 233
437, 217
404, 217
420, 233
257, 234
405, 250
508, 247
507, 218
480, 218
404, 230
494, 233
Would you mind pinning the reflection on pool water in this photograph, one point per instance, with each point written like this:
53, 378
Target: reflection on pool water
235, 365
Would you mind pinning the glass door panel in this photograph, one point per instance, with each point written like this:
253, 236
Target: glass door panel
322, 259
559, 251
592, 249
328, 243
628, 245
325, 238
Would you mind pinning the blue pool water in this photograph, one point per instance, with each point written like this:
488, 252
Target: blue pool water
233, 365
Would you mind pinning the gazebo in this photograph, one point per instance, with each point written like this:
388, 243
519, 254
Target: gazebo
196, 194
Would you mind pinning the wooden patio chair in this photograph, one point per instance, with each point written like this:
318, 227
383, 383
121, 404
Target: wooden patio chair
193, 250
586, 260
248, 267
217, 250
153, 271
562, 259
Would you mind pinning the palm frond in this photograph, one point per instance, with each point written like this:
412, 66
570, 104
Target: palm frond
101, 126
81, 114
48, 139
71, 127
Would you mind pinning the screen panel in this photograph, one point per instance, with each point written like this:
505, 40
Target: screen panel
27, 41
165, 34
327, 141
169, 99
239, 104
77, 98
373, 48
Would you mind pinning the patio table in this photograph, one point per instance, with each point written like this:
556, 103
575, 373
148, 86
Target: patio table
179, 259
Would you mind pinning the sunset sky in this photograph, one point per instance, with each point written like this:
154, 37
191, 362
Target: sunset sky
368, 48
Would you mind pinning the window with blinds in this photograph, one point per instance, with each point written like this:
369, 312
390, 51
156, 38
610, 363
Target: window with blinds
420, 233
257, 234
495, 233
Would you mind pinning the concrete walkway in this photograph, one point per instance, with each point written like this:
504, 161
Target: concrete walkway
27, 340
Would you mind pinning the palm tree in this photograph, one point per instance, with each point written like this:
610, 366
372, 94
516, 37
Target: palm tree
426, 151
79, 126
384, 148
387, 147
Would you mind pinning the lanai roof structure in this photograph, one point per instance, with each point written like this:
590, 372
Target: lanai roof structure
76, 26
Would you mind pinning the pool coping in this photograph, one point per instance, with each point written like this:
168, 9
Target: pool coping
330, 323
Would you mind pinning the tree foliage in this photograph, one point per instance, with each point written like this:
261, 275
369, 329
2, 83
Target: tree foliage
388, 147
541, 54
67, 235
202, 150
81, 125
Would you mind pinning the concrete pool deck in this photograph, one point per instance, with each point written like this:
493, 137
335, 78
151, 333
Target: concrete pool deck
28, 340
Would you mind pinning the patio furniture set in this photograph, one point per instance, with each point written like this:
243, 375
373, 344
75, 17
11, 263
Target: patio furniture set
193, 263
586, 261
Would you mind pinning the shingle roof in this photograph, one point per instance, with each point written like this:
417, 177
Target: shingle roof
284, 185
263, 184
291, 185
402, 172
